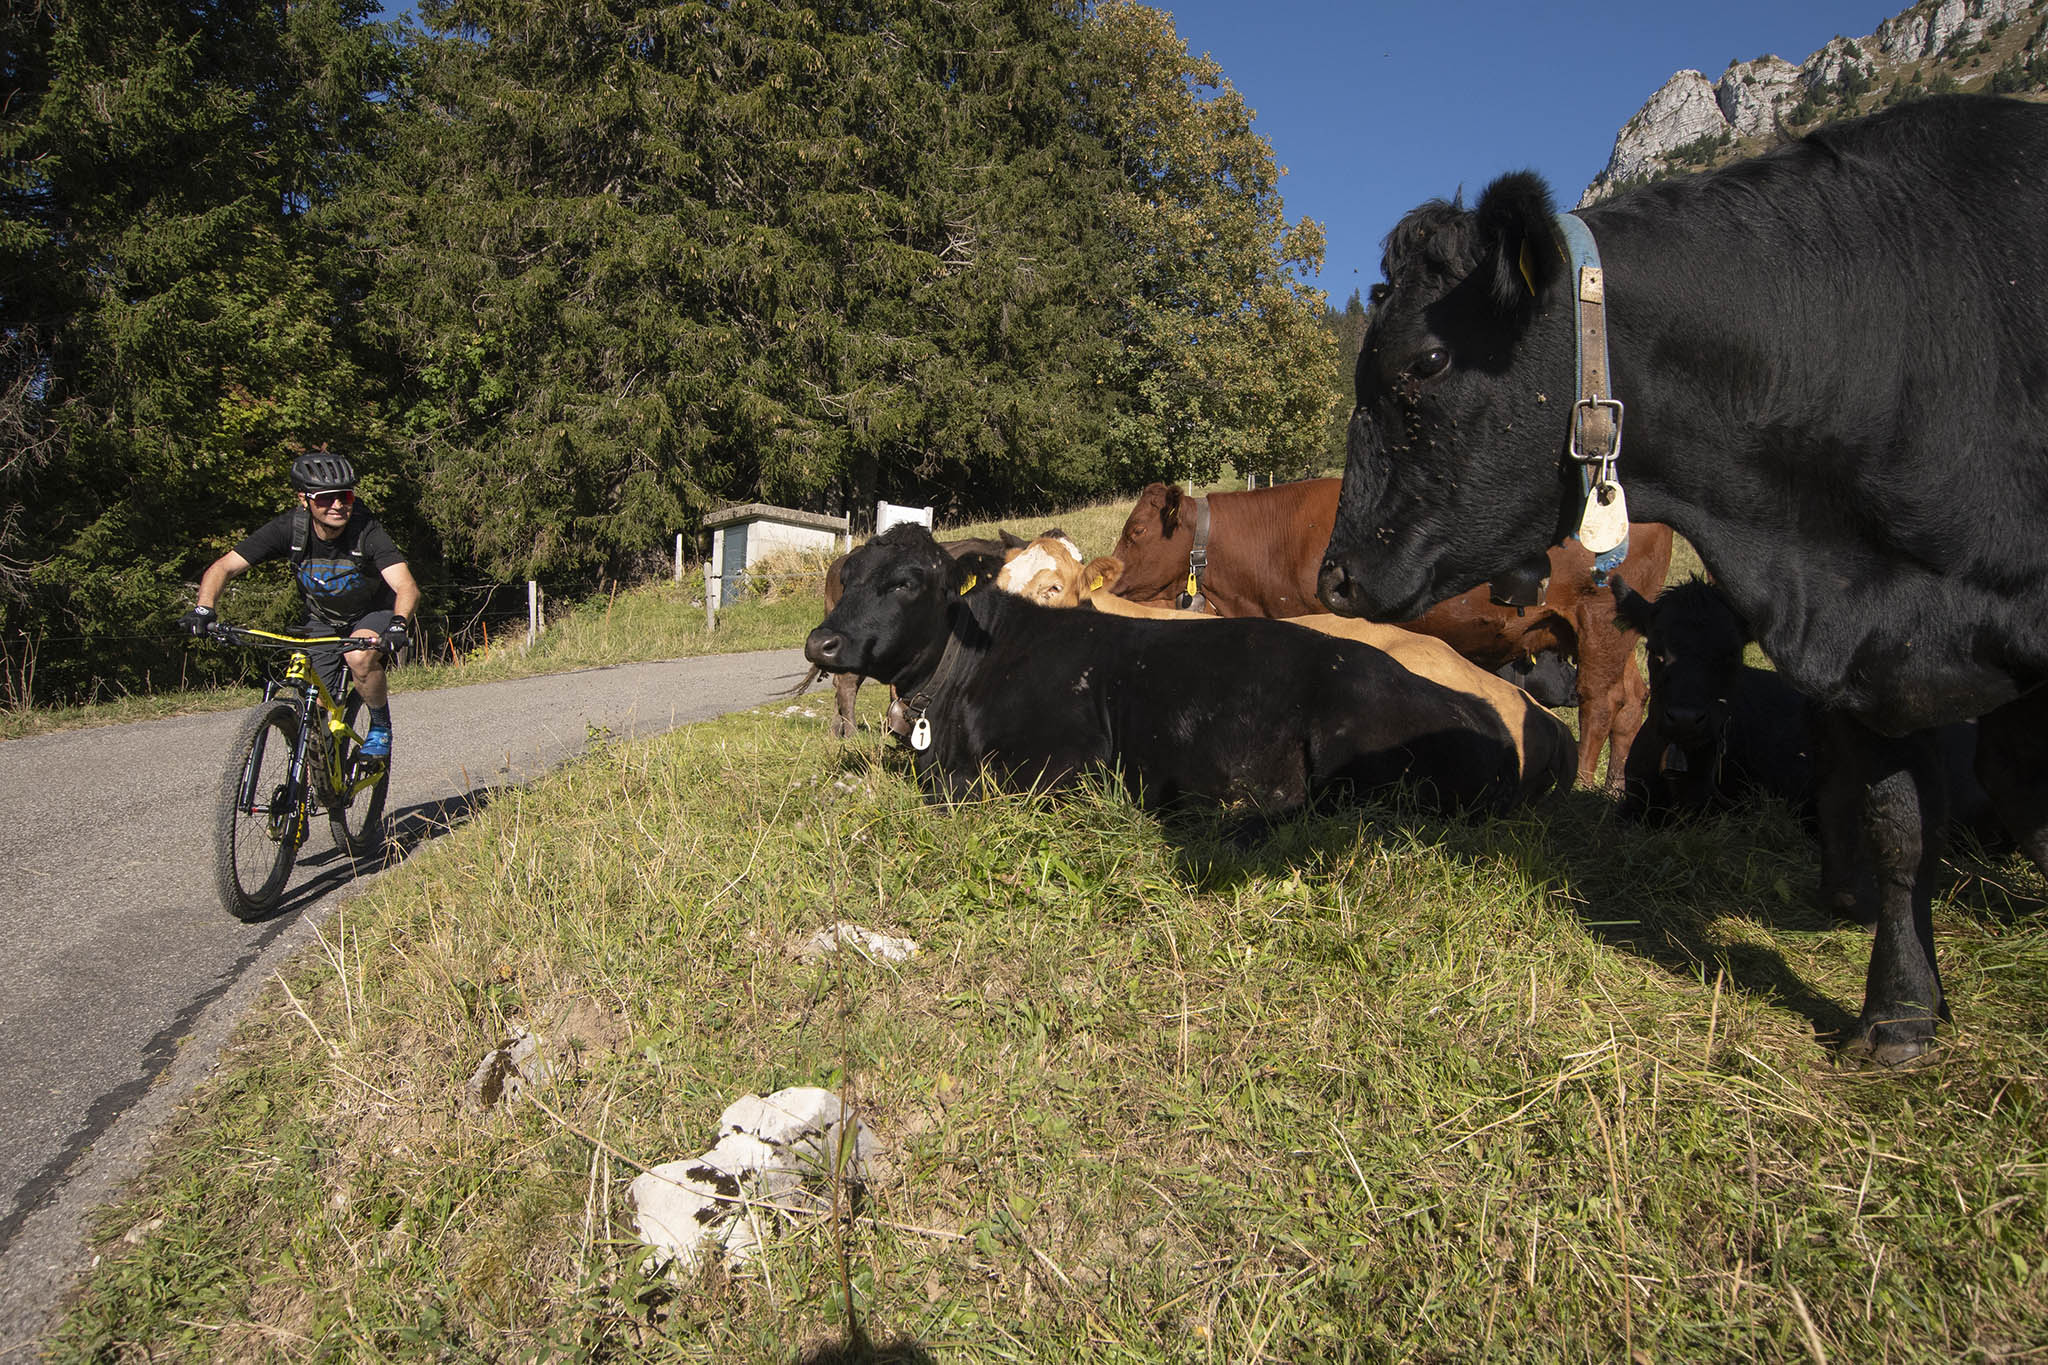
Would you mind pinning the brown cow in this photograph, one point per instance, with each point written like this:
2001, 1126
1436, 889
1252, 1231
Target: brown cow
1051, 572
846, 686
1264, 549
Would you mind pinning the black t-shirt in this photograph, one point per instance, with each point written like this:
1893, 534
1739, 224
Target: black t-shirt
340, 580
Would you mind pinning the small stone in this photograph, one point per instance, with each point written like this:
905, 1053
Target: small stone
879, 947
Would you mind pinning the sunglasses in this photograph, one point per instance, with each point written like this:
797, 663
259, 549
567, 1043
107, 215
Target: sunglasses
344, 496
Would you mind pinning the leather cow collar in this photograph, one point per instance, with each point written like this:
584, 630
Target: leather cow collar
1198, 560
1593, 441
906, 718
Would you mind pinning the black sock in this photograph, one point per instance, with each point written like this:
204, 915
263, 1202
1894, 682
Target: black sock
380, 715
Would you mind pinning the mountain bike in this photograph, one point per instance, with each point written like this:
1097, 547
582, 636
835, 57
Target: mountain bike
298, 749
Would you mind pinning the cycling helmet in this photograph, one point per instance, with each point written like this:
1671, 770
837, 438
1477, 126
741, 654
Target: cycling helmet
322, 471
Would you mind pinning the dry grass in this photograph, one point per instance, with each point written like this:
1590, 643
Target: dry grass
1387, 1087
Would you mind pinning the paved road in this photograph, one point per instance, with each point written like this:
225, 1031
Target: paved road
122, 972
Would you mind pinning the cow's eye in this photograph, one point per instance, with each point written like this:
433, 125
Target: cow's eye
1430, 363
1378, 293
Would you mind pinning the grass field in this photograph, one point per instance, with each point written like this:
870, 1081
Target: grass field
1386, 1087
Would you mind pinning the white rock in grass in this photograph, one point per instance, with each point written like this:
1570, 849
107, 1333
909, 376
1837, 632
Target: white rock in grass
806, 1126
675, 1213
771, 1166
880, 947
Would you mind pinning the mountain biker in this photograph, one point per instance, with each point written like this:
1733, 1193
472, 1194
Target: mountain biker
352, 581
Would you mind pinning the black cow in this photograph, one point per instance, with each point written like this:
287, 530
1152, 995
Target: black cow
1255, 714
1548, 675
983, 557
1719, 733
1834, 360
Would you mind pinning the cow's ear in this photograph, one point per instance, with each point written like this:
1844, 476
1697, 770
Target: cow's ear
972, 570
1517, 240
1632, 611
1010, 539
1102, 575
1169, 509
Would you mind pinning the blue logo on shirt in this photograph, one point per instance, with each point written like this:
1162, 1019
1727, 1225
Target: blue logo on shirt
330, 579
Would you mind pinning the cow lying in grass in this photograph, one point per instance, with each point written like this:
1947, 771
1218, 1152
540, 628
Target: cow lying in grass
1261, 551
983, 555
1050, 571
1256, 715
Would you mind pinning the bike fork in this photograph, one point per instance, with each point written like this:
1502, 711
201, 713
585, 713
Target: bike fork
300, 814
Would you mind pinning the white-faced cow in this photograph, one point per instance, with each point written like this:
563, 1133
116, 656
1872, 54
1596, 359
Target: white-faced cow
1255, 715
1832, 365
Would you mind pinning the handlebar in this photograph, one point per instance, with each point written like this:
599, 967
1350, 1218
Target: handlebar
266, 639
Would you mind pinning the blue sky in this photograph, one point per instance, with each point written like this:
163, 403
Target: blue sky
1374, 107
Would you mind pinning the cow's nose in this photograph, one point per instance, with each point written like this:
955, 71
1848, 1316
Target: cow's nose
823, 647
1335, 586
1687, 721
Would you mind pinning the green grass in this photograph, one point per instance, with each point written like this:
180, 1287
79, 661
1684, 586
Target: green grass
1385, 1087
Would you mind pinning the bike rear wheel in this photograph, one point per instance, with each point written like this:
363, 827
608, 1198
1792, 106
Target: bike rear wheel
358, 825
254, 839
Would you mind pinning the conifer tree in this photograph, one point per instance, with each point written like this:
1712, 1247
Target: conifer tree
1225, 360
169, 335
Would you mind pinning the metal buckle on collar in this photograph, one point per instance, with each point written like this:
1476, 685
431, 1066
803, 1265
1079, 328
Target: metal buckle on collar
1582, 413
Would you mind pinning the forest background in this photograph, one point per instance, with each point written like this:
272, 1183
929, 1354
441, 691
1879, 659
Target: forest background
562, 278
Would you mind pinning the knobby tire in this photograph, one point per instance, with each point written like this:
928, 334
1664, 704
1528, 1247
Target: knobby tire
250, 863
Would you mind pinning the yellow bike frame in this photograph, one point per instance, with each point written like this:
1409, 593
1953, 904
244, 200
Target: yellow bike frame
299, 672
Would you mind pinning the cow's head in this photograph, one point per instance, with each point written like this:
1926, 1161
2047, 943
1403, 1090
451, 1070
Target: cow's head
1695, 642
1051, 572
1455, 468
892, 620
1154, 545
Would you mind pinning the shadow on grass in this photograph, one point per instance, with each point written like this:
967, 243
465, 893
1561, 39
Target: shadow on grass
1622, 887
414, 825
406, 829
858, 1350
1661, 893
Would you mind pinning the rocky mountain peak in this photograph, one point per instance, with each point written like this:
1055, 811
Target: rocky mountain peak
1934, 47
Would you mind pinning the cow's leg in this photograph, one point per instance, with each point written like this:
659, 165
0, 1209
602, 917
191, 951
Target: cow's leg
1847, 888
1628, 718
844, 686
2012, 763
1602, 694
1905, 813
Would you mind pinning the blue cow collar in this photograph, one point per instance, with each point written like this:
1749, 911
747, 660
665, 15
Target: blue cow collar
1594, 439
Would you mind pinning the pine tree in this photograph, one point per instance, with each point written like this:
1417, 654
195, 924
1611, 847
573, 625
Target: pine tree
1225, 359
169, 336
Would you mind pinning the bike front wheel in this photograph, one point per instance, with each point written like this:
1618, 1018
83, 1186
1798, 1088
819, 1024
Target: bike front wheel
358, 824
255, 825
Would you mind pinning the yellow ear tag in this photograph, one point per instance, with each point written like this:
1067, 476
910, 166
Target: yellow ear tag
968, 586
1528, 275
1095, 585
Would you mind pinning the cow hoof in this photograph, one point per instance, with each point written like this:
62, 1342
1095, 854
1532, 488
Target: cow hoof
1845, 907
1889, 1044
